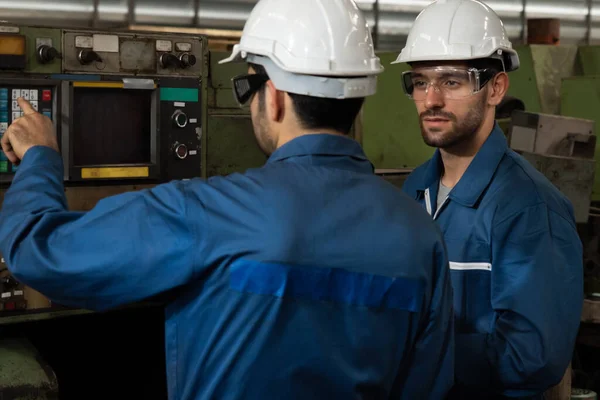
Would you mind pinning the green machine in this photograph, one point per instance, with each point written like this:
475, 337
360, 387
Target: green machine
231, 146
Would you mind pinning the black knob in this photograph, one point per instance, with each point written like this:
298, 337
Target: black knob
47, 54
88, 56
181, 151
180, 119
168, 60
187, 60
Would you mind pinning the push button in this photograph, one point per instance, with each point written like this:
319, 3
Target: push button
3, 94
4, 105
47, 114
33, 95
46, 95
3, 127
25, 94
4, 116
16, 115
15, 106
3, 156
34, 104
4, 166
16, 93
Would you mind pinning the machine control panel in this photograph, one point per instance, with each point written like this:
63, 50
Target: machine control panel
12, 292
30, 49
41, 99
181, 120
96, 52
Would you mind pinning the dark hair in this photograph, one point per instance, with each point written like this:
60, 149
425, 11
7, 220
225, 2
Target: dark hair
319, 113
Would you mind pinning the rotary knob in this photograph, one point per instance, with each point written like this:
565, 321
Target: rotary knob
88, 57
47, 54
187, 60
168, 60
181, 151
180, 119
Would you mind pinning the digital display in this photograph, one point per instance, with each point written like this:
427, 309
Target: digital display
111, 126
12, 45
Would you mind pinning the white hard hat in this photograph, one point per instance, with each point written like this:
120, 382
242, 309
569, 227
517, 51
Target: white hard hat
320, 48
458, 30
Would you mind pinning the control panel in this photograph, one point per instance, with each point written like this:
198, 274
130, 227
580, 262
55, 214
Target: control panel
181, 120
30, 49
12, 292
126, 106
42, 98
132, 53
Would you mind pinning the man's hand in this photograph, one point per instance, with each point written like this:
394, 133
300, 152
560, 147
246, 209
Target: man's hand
32, 129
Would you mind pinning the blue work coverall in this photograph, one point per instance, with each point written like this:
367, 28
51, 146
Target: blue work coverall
517, 271
308, 278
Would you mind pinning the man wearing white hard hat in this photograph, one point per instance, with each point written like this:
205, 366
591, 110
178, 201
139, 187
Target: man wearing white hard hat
515, 255
308, 278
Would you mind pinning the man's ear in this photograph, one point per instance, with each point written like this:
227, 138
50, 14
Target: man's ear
498, 87
275, 102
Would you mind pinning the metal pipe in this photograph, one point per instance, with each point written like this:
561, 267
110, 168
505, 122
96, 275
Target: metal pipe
376, 24
391, 18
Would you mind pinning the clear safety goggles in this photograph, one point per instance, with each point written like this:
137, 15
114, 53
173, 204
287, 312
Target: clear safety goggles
451, 82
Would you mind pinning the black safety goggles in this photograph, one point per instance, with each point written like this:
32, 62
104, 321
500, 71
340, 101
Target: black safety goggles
244, 86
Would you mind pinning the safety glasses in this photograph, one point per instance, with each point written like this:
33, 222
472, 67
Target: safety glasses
452, 83
244, 86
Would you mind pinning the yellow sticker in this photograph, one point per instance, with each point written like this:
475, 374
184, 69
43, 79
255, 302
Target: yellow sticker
115, 172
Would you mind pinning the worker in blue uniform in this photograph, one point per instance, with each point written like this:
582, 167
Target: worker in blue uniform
308, 278
514, 251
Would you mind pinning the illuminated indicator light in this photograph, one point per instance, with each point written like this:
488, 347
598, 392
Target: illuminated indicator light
13, 45
4, 166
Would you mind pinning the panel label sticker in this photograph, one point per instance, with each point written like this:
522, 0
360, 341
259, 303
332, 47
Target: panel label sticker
43, 42
183, 46
118, 172
9, 29
164, 45
84, 42
106, 43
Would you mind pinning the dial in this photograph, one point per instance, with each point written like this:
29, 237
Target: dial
88, 57
187, 60
168, 60
47, 54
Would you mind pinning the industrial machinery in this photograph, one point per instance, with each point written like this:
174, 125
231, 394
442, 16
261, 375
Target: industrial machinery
126, 106
563, 149
129, 110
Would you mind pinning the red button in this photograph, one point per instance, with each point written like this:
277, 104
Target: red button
46, 95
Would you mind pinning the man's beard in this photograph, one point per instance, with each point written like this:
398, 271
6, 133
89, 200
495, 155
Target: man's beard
459, 133
261, 130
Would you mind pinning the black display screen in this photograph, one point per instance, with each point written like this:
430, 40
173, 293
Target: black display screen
111, 126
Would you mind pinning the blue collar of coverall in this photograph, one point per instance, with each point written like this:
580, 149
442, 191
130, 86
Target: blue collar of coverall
478, 175
323, 145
